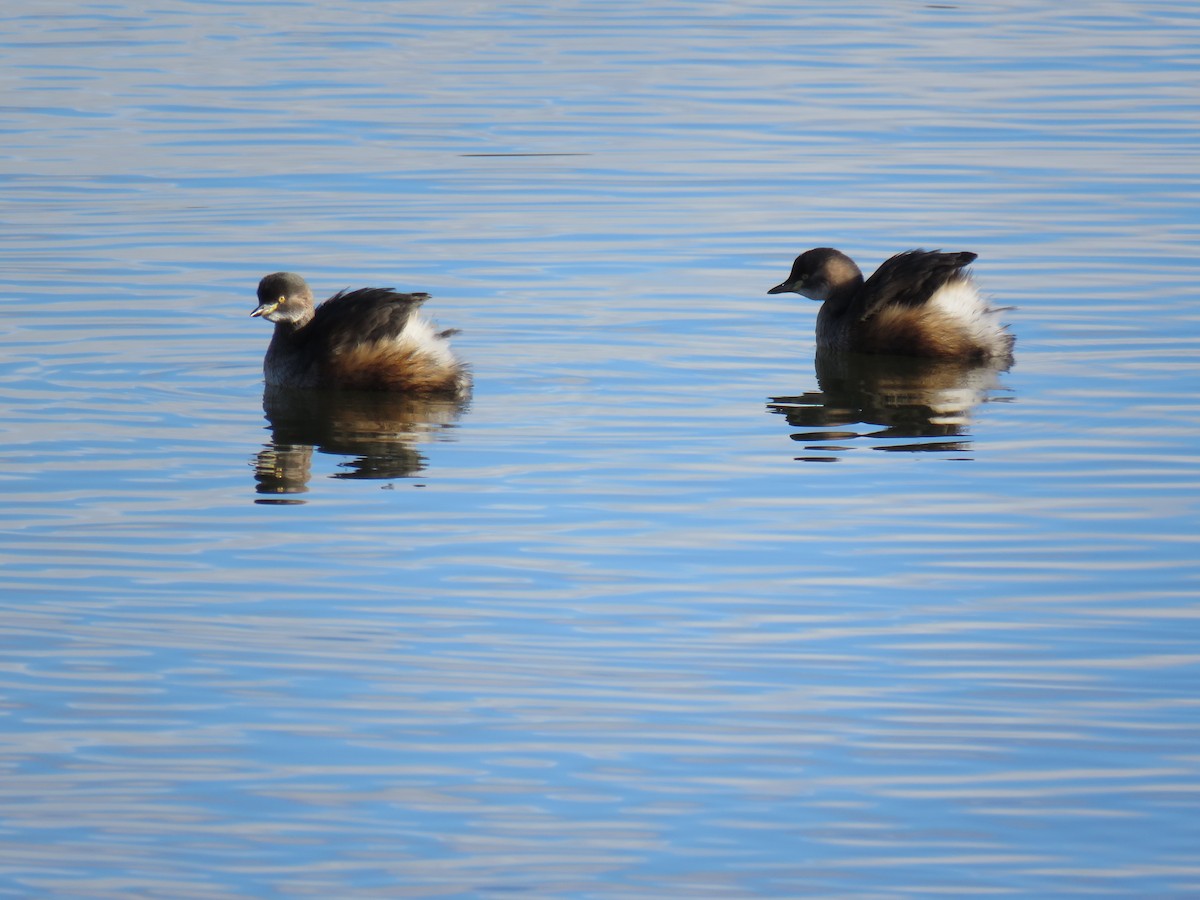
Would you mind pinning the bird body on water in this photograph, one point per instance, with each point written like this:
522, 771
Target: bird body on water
368, 339
918, 303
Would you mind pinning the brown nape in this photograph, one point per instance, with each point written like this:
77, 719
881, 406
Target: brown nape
842, 273
384, 366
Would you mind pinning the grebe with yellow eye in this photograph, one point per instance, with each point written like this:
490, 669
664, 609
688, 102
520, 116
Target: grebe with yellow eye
369, 339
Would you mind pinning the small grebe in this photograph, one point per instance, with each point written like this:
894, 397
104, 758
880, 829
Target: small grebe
918, 303
371, 339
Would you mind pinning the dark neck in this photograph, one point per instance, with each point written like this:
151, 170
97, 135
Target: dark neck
842, 296
285, 339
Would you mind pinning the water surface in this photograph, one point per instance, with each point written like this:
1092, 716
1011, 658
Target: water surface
673, 607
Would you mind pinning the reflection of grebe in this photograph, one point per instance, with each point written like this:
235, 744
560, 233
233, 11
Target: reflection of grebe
909, 397
371, 339
376, 431
918, 303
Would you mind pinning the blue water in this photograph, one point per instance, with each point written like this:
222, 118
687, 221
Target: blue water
672, 608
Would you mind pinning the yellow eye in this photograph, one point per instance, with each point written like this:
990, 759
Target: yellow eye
281, 299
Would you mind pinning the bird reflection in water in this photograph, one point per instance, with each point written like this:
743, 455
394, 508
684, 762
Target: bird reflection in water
377, 433
923, 405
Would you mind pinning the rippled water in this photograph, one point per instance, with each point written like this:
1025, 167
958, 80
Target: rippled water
609, 631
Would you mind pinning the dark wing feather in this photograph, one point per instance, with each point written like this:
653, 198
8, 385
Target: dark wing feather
909, 279
366, 315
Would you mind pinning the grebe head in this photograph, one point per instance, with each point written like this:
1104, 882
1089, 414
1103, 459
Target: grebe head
819, 274
284, 297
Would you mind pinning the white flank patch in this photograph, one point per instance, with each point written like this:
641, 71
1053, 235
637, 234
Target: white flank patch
961, 302
420, 334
